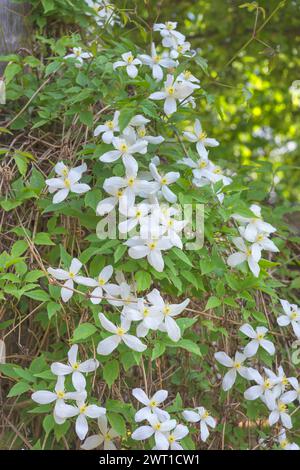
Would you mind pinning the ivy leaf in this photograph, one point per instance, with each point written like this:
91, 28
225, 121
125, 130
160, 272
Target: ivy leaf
117, 422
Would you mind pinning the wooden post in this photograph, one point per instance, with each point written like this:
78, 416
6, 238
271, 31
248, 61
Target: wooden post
14, 32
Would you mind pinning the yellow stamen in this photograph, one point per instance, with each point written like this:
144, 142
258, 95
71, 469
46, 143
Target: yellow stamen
110, 125
82, 409
170, 90
67, 183
120, 331
60, 394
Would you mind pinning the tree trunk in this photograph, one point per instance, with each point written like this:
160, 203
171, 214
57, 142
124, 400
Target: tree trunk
13, 30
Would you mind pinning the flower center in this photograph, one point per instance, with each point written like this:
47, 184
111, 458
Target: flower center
267, 384
187, 74
179, 48
146, 312
284, 380
156, 58
206, 414
152, 245
138, 214
130, 59
71, 275
170, 223
119, 193
166, 310
65, 171
101, 281
120, 331
153, 404
217, 170
82, 409
123, 148
75, 366
259, 237
67, 183
77, 52
248, 252
202, 164
284, 443
294, 315
60, 394
282, 407
170, 90
169, 26
157, 426
110, 125
131, 181
171, 439
164, 181
142, 132
202, 135
260, 336
107, 437
237, 365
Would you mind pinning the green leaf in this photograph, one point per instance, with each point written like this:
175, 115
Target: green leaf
260, 317
111, 372
117, 422
125, 117
19, 248
83, 331
119, 252
52, 309
38, 294
86, 117
18, 389
43, 238
213, 302
11, 71
182, 256
158, 350
143, 280
189, 346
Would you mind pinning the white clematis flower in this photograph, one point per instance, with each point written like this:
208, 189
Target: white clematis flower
202, 415
178, 433
119, 334
188, 78
151, 248
256, 223
292, 316
156, 62
169, 311
156, 428
164, 181
279, 413
142, 134
130, 63
125, 147
251, 254
151, 405
105, 437
99, 284
108, 129
66, 183
135, 216
201, 139
291, 395
172, 92
75, 367
235, 366
43, 397
257, 339
168, 30
281, 380
259, 239
82, 411
264, 389
284, 443
79, 56
68, 276
149, 317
